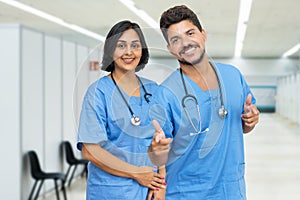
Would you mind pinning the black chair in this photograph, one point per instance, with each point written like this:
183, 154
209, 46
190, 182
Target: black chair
41, 176
73, 161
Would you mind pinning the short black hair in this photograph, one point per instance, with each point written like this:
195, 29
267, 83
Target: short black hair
111, 42
175, 15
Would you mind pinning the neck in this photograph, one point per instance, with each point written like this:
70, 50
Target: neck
202, 74
203, 68
127, 81
122, 77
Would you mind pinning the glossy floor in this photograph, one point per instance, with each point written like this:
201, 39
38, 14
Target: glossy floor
272, 162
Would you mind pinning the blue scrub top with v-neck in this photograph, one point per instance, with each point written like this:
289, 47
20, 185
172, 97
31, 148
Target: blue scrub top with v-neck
207, 166
105, 120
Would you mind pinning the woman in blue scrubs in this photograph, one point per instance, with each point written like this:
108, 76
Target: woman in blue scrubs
115, 129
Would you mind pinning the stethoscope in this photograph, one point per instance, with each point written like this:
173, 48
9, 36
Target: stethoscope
222, 110
135, 120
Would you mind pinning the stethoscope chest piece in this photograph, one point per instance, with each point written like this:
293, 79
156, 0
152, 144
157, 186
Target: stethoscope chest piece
222, 112
135, 121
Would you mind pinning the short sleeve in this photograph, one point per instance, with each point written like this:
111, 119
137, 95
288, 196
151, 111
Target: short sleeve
246, 90
161, 111
92, 122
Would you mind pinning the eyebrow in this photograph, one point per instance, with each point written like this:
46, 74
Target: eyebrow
192, 29
189, 30
134, 41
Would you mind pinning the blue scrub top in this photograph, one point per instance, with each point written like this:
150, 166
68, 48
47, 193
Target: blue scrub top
105, 120
209, 165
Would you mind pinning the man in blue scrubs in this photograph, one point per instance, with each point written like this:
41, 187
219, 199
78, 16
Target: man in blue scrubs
206, 150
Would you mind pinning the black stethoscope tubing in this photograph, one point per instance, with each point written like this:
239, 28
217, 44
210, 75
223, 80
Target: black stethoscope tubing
135, 119
222, 110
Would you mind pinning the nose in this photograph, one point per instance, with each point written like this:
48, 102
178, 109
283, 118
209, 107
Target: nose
185, 41
128, 50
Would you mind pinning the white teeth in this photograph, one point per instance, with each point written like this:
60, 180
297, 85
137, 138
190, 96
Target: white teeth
189, 50
128, 60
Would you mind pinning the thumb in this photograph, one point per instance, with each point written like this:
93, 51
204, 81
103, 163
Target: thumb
158, 130
248, 99
248, 103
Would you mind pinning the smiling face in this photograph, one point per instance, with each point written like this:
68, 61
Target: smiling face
186, 42
128, 51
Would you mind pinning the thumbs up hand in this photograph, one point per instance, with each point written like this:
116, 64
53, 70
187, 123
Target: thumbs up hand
160, 146
251, 116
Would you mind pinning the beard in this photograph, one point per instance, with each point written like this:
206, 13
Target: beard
184, 62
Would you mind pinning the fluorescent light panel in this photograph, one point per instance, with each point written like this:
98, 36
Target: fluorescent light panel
292, 51
244, 12
141, 13
53, 19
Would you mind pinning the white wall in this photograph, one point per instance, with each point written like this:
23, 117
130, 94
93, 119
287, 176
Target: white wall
68, 74
288, 98
38, 79
53, 104
32, 100
10, 77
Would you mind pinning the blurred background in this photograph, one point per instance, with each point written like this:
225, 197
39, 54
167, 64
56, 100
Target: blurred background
50, 53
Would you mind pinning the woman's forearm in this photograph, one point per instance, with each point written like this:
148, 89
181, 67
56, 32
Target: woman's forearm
108, 162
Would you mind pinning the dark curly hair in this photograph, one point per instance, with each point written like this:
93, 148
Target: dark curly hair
111, 42
175, 15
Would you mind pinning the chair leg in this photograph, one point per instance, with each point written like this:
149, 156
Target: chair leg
32, 190
84, 171
63, 189
56, 189
38, 191
68, 171
72, 175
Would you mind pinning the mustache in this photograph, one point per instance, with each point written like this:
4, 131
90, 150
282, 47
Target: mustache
185, 48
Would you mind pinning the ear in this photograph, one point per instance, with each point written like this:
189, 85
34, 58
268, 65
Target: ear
204, 35
170, 50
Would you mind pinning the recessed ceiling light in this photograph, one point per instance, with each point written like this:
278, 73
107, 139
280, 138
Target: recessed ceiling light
141, 13
53, 19
244, 13
292, 51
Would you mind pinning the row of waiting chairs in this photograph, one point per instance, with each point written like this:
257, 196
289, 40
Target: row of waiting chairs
40, 176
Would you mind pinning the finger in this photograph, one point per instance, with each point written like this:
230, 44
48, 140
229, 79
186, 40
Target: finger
150, 194
158, 185
165, 141
158, 178
251, 124
251, 121
247, 115
156, 126
163, 145
150, 186
159, 133
254, 109
158, 137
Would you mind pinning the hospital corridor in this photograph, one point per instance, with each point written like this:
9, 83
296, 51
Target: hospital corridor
272, 167
97, 87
